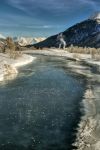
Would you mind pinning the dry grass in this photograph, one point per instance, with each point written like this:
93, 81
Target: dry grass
75, 55
13, 54
94, 52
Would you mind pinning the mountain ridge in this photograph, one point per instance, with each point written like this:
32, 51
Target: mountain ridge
85, 33
24, 41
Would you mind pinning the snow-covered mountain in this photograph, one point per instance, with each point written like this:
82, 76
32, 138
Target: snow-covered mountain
86, 33
95, 16
2, 37
24, 41
39, 39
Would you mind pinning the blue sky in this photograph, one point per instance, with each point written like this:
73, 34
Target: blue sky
43, 17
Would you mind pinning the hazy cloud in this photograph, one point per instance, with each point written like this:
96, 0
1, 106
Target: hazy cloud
55, 8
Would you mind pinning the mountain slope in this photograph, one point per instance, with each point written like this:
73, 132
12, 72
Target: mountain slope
86, 33
2, 37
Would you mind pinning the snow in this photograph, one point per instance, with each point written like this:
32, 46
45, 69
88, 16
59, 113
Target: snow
2, 37
58, 52
24, 41
23, 60
95, 16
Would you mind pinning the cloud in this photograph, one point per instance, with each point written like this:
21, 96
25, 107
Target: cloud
94, 4
57, 7
16, 3
53, 10
40, 26
32, 5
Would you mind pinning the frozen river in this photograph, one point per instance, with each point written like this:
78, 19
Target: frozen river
40, 109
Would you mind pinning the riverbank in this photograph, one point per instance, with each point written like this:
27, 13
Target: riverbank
88, 135
88, 132
84, 58
9, 66
63, 53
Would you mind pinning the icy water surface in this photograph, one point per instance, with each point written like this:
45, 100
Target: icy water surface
40, 109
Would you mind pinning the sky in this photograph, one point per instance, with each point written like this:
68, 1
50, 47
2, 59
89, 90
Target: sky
43, 17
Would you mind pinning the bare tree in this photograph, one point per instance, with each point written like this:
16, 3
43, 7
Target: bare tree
10, 45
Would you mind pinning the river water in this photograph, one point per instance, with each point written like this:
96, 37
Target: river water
41, 108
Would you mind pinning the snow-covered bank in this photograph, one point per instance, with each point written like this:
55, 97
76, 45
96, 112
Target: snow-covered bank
8, 65
76, 57
51, 52
88, 136
58, 52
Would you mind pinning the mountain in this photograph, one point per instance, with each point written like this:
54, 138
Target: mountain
39, 39
24, 41
2, 37
86, 33
95, 16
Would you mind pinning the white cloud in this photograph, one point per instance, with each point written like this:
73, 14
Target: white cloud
16, 4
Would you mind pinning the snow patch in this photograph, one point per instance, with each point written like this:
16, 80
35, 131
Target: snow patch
95, 16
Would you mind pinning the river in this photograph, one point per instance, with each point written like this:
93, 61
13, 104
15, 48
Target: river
41, 108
